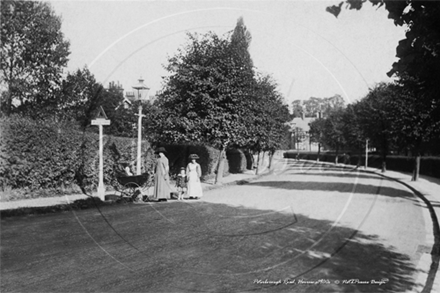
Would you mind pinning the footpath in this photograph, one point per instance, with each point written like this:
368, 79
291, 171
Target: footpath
426, 188
65, 200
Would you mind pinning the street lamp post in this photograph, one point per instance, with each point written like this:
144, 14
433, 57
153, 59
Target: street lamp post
140, 86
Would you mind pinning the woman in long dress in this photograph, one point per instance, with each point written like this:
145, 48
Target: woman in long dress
193, 173
161, 177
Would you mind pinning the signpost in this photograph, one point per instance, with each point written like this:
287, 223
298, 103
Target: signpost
100, 120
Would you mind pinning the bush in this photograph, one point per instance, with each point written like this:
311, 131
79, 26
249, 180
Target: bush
237, 160
429, 166
54, 157
208, 157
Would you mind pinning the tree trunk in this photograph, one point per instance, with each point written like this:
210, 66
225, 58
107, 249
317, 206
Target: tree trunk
384, 163
220, 167
271, 153
337, 154
8, 105
258, 164
319, 151
384, 155
416, 169
262, 158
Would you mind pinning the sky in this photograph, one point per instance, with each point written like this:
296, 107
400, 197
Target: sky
308, 51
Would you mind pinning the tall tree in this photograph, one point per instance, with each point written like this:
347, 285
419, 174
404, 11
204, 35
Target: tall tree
204, 99
418, 67
374, 115
313, 105
317, 133
414, 123
268, 117
33, 55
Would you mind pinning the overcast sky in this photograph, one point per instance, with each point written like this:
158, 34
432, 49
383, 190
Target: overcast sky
307, 50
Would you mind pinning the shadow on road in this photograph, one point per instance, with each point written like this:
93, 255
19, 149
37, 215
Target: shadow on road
194, 247
335, 174
336, 186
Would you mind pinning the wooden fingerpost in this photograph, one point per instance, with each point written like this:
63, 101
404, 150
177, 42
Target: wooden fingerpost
101, 120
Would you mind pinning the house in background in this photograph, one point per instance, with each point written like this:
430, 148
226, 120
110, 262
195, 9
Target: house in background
300, 137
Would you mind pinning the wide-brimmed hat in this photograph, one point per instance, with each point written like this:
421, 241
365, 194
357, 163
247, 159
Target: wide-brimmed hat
193, 156
160, 150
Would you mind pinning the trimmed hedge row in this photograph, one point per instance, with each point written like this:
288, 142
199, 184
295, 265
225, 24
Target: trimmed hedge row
41, 159
47, 158
429, 166
237, 161
50, 156
178, 156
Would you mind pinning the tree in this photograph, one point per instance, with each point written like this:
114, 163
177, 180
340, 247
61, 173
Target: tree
267, 124
81, 96
334, 131
33, 55
418, 67
374, 115
313, 106
317, 133
415, 124
354, 135
204, 99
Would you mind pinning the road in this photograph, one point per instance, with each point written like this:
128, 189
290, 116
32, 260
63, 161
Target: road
305, 228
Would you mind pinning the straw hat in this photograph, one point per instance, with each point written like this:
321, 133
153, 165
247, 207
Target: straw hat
193, 156
160, 150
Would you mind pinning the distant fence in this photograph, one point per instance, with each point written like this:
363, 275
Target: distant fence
429, 166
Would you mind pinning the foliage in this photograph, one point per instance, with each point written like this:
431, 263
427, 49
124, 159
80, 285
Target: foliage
213, 96
237, 160
178, 154
313, 106
81, 96
329, 131
317, 130
267, 124
414, 123
418, 68
430, 166
33, 55
353, 132
47, 155
204, 97
375, 116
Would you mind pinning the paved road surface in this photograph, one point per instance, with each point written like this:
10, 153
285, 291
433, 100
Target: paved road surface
306, 228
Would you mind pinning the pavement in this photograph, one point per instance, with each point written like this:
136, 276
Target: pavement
230, 179
426, 188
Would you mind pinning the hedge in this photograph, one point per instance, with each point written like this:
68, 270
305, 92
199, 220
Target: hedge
237, 160
36, 156
178, 156
429, 166
40, 159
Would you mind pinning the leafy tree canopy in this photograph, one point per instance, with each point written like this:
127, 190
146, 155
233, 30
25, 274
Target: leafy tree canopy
204, 99
312, 106
33, 55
